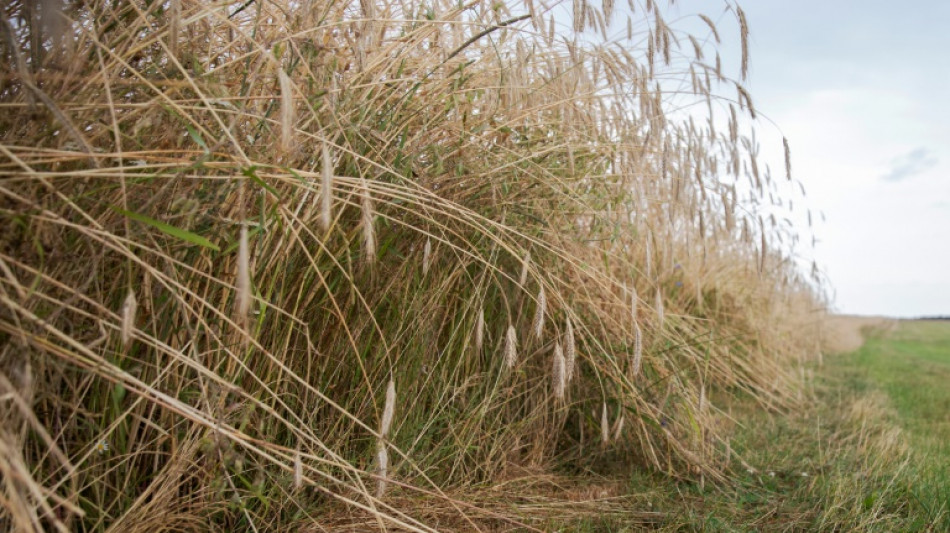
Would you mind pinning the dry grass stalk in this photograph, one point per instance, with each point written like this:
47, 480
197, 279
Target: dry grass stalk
618, 428
659, 309
129, 307
243, 275
326, 186
368, 217
559, 372
604, 425
569, 350
538, 324
511, 347
286, 111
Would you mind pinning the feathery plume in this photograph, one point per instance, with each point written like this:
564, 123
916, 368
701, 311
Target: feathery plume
382, 464
659, 309
298, 470
174, 23
604, 425
369, 232
388, 409
539, 314
524, 268
129, 307
244, 275
788, 159
634, 301
286, 111
618, 429
569, 353
511, 349
426, 256
326, 186
559, 372
702, 399
744, 37
480, 329
637, 349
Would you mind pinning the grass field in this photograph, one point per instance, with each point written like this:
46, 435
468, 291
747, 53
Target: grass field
866, 452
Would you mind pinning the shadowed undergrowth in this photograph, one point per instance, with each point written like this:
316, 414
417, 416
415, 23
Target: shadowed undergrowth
281, 263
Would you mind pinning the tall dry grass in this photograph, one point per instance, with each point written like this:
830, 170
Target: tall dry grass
232, 226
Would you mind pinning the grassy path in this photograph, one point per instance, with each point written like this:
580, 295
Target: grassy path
912, 367
869, 451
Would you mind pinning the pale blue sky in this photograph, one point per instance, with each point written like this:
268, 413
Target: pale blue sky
861, 88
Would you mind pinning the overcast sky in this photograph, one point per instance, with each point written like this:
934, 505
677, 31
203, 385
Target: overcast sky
861, 88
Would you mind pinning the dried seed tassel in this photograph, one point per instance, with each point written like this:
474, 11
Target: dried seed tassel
539, 314
326, 185
426, 256
569, 353
382, 464
637, 349
174, 22
524, 268
388, 409
369, 232
634, 301
659, 309
702, 399
286, 111
244, 275
382, 454
298, 470
511, 348
619, 427
559, 372
604, 425
129, 307
479, 330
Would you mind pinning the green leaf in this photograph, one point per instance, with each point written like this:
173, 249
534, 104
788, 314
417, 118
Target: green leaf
195, 136
251, 172
179, 233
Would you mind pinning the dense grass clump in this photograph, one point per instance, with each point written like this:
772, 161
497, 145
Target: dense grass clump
269, 263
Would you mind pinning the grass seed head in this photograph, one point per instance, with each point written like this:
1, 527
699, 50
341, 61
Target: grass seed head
559, 372
243, 275
382, 467
426, 256
538, 324
369, 231
480, 329
525, 263
388, 409
511, 347
298, 471
129, 307
286, 111
569, 350
326, 186
604, 425
637, 349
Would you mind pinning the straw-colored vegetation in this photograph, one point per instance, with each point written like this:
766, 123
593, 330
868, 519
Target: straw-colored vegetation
279, 264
